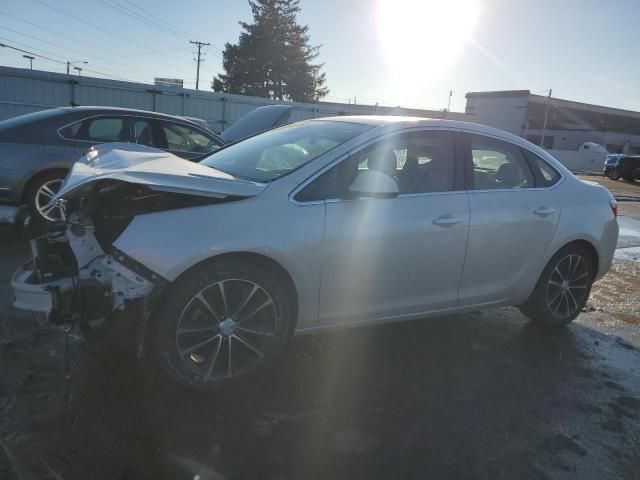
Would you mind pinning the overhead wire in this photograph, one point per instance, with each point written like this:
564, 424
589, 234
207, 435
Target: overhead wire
48, 56
98, 27
80, 52
139, 14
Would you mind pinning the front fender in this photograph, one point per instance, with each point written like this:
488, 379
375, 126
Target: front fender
170, 242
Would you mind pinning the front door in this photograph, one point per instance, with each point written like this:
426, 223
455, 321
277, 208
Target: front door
388, 257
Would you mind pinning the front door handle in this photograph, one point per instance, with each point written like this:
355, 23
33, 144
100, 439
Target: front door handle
447, 221
544, 211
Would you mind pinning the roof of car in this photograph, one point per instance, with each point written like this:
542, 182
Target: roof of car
403, 121
104, 109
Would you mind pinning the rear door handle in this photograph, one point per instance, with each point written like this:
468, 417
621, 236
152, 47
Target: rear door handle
447, 221
544, 211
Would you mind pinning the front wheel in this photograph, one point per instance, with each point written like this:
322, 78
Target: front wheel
223, 323
563, 288
614, 174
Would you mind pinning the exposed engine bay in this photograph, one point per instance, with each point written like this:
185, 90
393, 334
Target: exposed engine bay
76, 274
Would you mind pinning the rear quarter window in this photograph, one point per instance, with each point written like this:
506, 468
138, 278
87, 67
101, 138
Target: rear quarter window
546, 175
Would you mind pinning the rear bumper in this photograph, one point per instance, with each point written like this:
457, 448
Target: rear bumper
607, 247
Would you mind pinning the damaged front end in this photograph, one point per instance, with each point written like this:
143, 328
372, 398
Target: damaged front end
76, 274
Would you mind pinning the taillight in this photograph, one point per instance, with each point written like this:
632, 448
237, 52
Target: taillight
614, 207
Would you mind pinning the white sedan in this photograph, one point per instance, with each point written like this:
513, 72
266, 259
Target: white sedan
327, 222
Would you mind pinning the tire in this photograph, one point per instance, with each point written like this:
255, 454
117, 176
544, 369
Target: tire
41, 188
223, 323
614, 174
562, 289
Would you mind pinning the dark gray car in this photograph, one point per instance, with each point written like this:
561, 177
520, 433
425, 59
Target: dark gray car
37, 149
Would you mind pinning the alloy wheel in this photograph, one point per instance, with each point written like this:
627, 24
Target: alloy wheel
226, 329
43, 196
568, 286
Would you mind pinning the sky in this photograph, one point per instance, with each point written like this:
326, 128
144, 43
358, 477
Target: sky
394, 52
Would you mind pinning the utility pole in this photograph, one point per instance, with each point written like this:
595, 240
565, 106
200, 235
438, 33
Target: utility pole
546, 116
199, 45
30, 58
449, 102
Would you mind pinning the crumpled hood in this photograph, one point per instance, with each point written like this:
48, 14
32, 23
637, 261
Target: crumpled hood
156, 169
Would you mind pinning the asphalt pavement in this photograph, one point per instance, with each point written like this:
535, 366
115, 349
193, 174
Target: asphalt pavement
477, 396
483, 395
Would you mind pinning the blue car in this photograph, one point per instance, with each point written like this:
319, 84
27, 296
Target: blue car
38, 149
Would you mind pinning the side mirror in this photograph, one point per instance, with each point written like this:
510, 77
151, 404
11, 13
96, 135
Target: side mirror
374, 184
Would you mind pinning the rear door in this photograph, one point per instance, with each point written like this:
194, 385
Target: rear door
95, 130
514, 215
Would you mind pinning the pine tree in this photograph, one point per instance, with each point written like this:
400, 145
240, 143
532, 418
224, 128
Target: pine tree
273, 58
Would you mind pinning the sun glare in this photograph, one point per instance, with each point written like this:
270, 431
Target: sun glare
421, 38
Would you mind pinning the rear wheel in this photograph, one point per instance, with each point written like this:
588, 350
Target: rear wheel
563, 288
223, 324
39, 193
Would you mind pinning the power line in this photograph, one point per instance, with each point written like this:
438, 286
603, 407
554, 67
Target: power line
199, 45
80, 52
157, 18
146, 19
98, 27
134, 15
173, 27
161, 52
215, 50
83, 41
41, 27
104, 74
4, 45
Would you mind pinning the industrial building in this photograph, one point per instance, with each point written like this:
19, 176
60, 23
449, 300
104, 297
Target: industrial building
568, 124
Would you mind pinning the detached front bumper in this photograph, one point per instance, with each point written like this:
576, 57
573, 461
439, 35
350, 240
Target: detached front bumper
30, 294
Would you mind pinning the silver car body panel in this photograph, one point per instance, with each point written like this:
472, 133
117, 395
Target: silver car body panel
493, 256
157, 169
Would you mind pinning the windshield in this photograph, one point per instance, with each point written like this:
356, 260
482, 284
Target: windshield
271, 155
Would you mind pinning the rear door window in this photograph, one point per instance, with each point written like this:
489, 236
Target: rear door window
98, 129
498, 165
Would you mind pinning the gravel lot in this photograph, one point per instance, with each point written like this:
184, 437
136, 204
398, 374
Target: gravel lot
482, 395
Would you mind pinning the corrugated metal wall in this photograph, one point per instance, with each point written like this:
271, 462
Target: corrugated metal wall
23, 91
